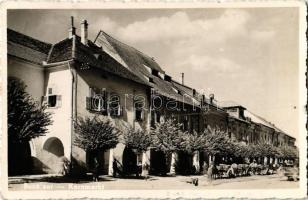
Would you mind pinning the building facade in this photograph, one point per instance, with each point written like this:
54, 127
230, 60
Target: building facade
70, 74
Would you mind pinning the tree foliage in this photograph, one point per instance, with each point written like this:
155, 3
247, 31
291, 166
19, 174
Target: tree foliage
26, 118
218, 143
168, 136
242, 150
266, 149
195, 142
137, 139
288, 152
93, 134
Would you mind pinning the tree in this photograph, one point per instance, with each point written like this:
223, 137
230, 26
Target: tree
287, 152
95, 134
137, 139
195, 142
168, 137
242, 150
218, 142
26, 120
140, 141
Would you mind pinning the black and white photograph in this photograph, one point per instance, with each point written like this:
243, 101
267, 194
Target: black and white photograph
198, 100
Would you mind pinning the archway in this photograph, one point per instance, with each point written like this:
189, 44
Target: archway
54, 146
184, 163
158, 163
129, 161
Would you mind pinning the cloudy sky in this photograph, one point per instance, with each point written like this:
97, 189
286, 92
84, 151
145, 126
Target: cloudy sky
247, 55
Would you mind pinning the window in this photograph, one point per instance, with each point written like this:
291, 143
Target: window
97, 100
154, 72
52, 100
185, 125
115, 108
139, 112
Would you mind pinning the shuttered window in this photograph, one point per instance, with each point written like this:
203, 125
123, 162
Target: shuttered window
52, 100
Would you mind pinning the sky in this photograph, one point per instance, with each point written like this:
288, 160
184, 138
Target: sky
246, 55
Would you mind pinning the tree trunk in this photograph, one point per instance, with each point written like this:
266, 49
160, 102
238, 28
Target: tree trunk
145, 163
276, 161
271, 160
173, 162
265, 160
196, 162
110, 164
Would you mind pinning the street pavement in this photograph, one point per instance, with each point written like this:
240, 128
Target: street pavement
55, 182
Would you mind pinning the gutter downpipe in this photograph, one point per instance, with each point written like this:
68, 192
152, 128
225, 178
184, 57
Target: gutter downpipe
73, 100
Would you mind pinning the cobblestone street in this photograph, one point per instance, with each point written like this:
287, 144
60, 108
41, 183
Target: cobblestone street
178, 182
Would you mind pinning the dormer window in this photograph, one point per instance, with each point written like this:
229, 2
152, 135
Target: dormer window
194, 92
155, 72
167, 78
151, 80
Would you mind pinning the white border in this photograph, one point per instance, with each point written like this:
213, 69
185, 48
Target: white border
208, 193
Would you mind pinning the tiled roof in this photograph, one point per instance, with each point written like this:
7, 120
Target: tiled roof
142, 65
260, 120
133, 58
229, 104
27, 48
61, 51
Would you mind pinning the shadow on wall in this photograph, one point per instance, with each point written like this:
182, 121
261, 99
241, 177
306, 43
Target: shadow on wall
39, 167
19, 158
53, 151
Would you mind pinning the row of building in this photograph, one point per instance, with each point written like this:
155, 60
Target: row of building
133, 90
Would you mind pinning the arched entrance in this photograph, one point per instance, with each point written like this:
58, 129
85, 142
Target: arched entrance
184, 163
129, 161
54, 146
158, 163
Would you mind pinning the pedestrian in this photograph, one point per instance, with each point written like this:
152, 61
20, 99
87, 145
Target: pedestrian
139, 169
64, 166
145, 171
114, 168
96, 170
205, 168
210, 173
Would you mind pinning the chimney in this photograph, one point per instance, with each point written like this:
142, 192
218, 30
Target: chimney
211, 98
203, 99
72, 30
84, 32
182, 78
194, 92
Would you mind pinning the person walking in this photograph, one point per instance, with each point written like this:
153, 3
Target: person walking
114, 168
210, 173
96, 170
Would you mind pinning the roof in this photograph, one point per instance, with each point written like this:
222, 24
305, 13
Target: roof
133, 58
142, 66
260, 120
63, 51
230, 104
27, 48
